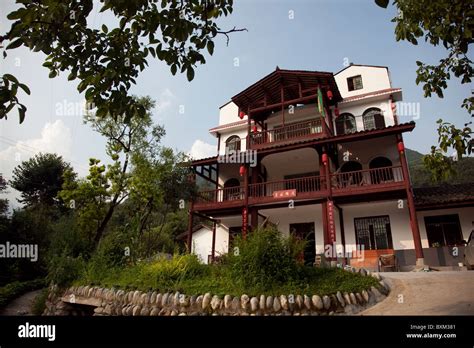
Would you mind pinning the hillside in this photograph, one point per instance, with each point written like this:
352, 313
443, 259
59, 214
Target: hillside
420, 176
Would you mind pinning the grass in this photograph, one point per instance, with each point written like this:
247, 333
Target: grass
39, 304
15, 289
189, 277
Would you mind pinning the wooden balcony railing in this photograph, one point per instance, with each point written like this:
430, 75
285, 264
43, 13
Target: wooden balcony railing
268, 189
367, 177
291, 131
305, 186
221, 195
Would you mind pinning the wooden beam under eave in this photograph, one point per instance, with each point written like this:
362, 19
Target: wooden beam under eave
285, 103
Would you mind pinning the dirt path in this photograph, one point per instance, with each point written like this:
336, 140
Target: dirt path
427, 293
21, 305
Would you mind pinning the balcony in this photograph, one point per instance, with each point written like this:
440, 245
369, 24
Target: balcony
313, 128
311, 187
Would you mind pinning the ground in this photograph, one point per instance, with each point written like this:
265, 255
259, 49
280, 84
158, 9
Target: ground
21, 305
427, 293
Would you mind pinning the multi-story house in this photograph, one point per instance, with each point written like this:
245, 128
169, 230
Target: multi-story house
321, 156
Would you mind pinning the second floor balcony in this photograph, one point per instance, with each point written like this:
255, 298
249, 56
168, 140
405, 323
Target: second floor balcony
310, 187
308, 129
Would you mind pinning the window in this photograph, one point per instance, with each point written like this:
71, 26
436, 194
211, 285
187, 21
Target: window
345, 124
373, 119
373, 232
383, 172
232, 144
354, 83
443, 230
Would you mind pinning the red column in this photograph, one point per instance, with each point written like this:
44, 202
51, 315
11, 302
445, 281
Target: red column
190, 229
410, 202
213, 252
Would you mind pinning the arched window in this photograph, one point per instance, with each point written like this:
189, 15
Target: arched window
232, 143
232, 190
384, 172
373, 119
350, 174
346, 124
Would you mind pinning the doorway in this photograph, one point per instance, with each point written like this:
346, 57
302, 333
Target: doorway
305, 231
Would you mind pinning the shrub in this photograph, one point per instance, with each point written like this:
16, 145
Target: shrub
63, 269
39, 304
265, 258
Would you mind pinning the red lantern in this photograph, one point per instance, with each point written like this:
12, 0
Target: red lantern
242, 170
255, 130
336, 112
329, 94
241, 114
325, 158
401, 146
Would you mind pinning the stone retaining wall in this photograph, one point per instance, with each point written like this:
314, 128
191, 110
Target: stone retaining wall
85, 300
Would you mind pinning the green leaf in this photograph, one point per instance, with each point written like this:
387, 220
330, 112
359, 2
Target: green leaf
22, 113
190, 73
173, 69
382, 3
10, 78
210, 47
14, 44
105, 29
24, 88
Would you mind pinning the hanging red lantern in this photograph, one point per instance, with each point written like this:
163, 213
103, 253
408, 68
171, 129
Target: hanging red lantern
241, 114
242, 170
325, 158
336, 112
329, 94
255, 129
401, 147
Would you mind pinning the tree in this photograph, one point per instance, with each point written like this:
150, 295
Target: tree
3, 201
141, 170
450, 22
107, 61
40, 178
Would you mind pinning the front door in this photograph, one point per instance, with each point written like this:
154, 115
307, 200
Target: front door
305, 231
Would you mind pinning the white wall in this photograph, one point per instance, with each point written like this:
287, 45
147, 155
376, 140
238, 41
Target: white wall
202, 242
373, 79
229, 113
399, 221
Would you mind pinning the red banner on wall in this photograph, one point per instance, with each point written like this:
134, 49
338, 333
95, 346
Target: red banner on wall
331, 224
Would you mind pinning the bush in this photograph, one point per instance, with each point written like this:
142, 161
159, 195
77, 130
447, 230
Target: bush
265, 258
39, 304
15, 289
63, 269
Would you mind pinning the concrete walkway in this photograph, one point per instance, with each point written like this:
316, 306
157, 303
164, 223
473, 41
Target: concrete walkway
427, 293
21, 305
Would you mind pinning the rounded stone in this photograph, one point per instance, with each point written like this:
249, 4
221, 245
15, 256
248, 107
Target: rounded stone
153, 297
136, 310
227, 301
326, 302
262, 302
164, 300
276, 304
307, 302
244, 301
269, 303
317, 302
353, 298
145, 312
254, 304
176, 299
347, 298
376, 276
155, 311
143, 299
284, 302
340, 299
215, 302
206, 300
159, 298
359, 298
235, 304
199, 301
299, 301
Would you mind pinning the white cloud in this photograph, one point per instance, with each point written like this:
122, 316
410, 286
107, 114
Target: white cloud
55, 138
201, 149
165, 101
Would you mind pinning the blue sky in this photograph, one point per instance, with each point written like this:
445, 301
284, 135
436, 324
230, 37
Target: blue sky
322, 35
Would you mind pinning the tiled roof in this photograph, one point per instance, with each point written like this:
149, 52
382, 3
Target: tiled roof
228, 125
439, 195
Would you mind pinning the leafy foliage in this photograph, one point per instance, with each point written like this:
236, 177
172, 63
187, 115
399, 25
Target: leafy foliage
40, 178
451, 23
107, 61
15, 289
